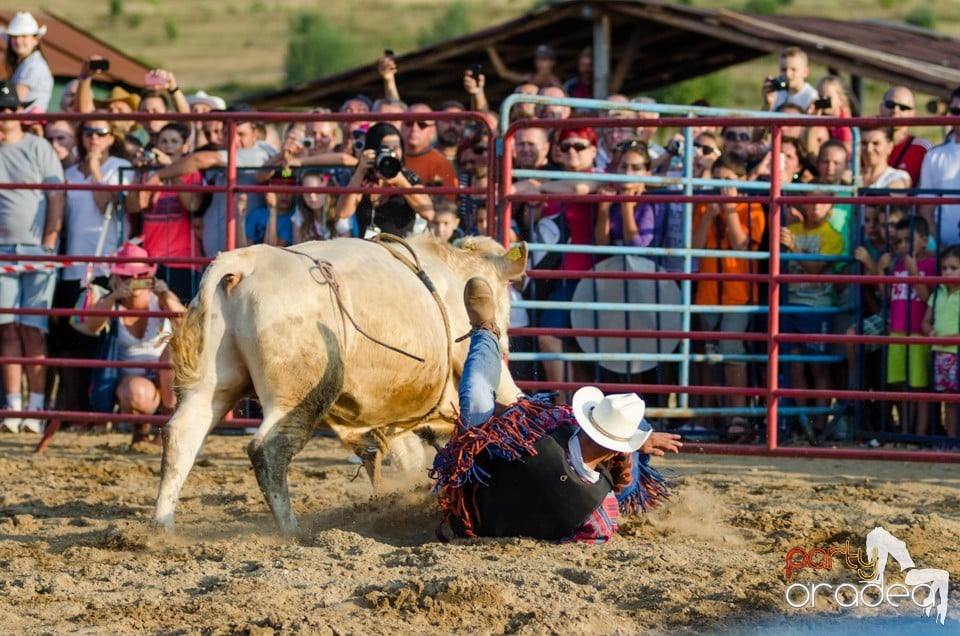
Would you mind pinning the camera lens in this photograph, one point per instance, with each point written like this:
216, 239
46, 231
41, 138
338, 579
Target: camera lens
388, 163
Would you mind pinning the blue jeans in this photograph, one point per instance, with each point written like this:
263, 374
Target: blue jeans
480, 379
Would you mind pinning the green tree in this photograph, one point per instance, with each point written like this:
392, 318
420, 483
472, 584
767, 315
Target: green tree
454, 22
116, 9
924, 17
170, 29
316, 48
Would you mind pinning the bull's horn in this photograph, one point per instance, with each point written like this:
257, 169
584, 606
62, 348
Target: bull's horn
513, 264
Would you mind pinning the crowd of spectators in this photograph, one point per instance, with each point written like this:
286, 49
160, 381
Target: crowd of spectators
424, 153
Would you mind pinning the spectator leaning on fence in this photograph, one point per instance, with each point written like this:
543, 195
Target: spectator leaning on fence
942, 320
30, 223
908, 365
738, 227
811, 236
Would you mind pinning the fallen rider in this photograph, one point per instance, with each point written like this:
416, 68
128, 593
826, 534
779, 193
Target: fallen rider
554, 472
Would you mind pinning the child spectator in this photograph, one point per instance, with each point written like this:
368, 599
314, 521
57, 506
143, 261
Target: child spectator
907, 365
445, 223
876, 242
791, 86
729, 226
273, 224
628, 222
942, 319
315, 218
832, 101
813, 235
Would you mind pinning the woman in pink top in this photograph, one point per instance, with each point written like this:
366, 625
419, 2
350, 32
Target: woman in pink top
169, 228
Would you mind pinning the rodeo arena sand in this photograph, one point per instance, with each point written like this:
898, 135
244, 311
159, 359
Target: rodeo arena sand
78, 556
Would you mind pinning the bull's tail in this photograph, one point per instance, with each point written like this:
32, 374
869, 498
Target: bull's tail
187, 343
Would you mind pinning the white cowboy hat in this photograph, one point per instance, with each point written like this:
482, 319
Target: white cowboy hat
24, 24
613, 421
201, 97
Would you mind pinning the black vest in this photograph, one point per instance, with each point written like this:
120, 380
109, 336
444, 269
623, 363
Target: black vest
539, 496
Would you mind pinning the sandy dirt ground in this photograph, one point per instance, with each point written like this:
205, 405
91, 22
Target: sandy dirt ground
77, 554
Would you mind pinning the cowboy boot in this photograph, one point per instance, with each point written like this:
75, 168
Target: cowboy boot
481, 307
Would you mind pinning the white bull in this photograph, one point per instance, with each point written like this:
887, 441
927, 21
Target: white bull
317, 348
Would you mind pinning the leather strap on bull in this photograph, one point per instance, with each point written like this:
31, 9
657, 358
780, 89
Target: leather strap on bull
389, 242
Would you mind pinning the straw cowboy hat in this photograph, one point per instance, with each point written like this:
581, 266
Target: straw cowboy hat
613, 421
23, 24
118, 94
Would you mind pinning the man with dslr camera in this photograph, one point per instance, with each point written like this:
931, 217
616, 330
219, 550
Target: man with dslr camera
791, 85
382, 165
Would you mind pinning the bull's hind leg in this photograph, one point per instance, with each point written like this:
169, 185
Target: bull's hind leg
182, 439
281, 436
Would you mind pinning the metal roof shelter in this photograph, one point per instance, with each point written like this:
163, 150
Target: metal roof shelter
643, 45
65, 46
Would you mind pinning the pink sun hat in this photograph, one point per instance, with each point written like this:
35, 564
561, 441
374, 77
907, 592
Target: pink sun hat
130, 250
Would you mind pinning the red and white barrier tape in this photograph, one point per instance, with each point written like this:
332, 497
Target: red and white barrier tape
36, 266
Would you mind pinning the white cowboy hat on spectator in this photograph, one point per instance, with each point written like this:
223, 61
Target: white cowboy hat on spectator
23, 24
201, 97
613, 421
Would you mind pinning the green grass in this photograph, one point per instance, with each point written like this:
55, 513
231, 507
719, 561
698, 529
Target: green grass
235, 46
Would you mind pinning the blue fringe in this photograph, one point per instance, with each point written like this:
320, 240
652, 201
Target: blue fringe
509, 436
647, 490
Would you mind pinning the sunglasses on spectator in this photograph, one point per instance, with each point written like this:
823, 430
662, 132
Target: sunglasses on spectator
954, 111
422, 125
632, 144
705, 149
479, 149
137, 277
889, 104
579, 146
732, 135
99, 132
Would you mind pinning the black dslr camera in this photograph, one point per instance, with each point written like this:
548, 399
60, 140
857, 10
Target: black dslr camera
779, 83
387, 162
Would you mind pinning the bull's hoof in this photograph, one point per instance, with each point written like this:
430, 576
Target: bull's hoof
165, 523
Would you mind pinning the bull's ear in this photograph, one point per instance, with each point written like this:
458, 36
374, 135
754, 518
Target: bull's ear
513, 264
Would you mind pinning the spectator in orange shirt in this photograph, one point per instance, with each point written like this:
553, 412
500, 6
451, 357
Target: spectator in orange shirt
729, 226
421, 157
